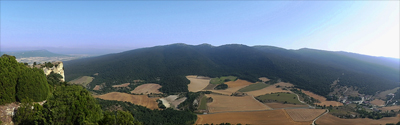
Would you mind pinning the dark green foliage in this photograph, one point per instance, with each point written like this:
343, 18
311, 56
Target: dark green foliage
21, 83
221, 86
188, 103
72, 104
118, 118
48, 64
152, 117
25, 115
32, 85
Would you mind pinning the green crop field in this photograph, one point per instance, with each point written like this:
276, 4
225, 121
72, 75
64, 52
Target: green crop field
280, 97
222, 79
203, 103
253, 87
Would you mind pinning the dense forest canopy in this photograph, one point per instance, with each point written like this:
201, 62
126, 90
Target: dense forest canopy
167, 65
21, 83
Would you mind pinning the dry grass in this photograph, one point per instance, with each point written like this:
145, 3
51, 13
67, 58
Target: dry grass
270, 89
264, 79
329, 119
276, 105
122, 85
272, 117
322, 99
222, 103
147, 89
304, 114
84, 80
394, 108
378, 102
197, 84
97, 87
142, 100
383, 94
237, 83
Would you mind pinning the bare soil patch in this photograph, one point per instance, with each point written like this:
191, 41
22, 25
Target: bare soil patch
394, 108
304, 114
222, 103
97, 87
142, 100
378, 102
147, 89
329, 119
197, 83
322, 99
122, 85
270, 89
264, 79
272, 117
276, 105
172, 101
238, 83
383, 94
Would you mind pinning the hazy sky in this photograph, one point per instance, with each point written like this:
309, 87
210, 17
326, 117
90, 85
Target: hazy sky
366, 27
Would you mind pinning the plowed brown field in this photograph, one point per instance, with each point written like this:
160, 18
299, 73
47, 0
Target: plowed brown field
237, 83
197, 84
142, 100
270, 89
329, 119
272, 117
122, 85
147, 89
394, 108
304, 114
322, 99
222, 103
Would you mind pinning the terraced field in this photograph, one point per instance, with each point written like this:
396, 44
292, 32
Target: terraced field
304, 114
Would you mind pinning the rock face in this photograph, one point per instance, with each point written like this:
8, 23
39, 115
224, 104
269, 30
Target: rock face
57, 68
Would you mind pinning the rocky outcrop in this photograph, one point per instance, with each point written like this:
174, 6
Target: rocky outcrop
57, 68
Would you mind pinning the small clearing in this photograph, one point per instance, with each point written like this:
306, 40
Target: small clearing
383, 94
388, 108
142, 100
147, 89
172, 101
197, 83
122, 85
304, 114
264, 79
271, 117
329, 119
222, 103
84, 80
277, 105
254, 87
321, 99
97, 87
270, 89
378, 102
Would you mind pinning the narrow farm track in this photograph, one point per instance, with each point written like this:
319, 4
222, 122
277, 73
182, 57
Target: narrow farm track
313, 122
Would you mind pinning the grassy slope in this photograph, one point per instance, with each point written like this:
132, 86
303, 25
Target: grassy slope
203, 103
253, 87
222, 79
290, 98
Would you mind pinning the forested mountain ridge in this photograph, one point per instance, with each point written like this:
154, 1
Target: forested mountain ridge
167, 66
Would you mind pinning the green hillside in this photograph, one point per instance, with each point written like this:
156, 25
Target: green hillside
168, 65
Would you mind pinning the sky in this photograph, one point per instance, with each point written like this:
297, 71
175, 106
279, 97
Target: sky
82, 27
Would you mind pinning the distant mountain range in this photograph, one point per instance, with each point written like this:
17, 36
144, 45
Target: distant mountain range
308, 69
34, 53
